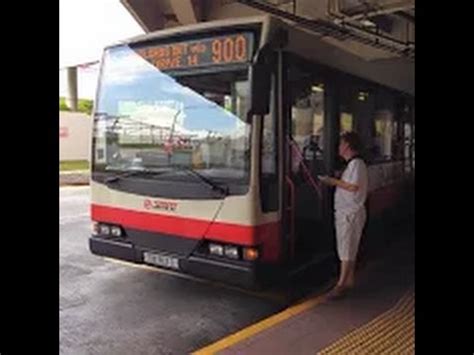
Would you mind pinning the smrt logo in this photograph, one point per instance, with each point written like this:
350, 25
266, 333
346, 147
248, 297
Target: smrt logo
160, 205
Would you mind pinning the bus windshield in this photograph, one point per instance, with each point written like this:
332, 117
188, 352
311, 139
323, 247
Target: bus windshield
148, 119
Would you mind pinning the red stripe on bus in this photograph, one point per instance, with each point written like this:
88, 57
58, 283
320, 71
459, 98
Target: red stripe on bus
186, 227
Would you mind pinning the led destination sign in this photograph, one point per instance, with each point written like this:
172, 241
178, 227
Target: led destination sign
219, 50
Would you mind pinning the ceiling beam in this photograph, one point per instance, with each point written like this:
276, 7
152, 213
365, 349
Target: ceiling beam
185, 11
147, 13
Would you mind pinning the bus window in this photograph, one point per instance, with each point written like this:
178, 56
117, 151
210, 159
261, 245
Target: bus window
409, 139
384, 126
150, 120
401, 116
383, 135
268, 146
307, 118
347, 122
407, 147
269, 176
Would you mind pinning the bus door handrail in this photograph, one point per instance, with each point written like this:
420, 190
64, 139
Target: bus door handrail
291, 210
306, 171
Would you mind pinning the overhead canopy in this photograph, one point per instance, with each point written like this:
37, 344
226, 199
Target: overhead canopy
390, 22
381, 59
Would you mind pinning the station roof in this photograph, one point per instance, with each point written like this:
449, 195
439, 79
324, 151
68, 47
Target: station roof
392, 20
348, 26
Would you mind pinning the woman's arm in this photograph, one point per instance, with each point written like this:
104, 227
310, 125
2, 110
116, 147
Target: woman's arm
339, 183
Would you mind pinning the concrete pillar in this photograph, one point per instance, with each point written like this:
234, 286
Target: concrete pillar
71, 98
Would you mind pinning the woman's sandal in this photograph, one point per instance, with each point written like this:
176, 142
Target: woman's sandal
337, 293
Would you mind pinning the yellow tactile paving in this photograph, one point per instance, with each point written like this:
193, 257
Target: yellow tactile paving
393, 332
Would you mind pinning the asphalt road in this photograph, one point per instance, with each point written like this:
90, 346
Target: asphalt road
108, 307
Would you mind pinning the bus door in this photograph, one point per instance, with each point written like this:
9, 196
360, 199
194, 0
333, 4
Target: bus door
306, 197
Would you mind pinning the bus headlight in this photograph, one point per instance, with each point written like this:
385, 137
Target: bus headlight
216, 249
95, 228
231, 252
116, 231
104, 229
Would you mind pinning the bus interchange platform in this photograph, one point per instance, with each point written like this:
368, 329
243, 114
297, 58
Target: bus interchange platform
377, 317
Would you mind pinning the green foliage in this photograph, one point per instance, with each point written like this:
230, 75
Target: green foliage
66, 165
83, 105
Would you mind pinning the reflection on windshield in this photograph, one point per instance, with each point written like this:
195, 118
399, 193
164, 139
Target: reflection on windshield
146, 119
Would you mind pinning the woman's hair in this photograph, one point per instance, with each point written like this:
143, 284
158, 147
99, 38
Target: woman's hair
353, 140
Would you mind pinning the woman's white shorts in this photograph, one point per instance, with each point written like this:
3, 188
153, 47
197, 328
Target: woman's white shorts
349, 228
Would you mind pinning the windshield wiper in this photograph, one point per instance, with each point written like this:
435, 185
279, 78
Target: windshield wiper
129, 173
223, 189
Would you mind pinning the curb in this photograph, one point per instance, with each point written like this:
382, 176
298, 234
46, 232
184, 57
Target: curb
74, 178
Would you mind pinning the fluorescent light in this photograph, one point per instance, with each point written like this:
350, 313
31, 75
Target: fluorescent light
367, 23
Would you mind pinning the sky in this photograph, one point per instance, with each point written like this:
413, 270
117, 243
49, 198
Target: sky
159, 98
85, 28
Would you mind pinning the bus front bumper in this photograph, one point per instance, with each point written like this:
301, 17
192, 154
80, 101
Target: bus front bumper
245, 276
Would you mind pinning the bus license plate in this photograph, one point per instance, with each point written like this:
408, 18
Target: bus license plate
161, 260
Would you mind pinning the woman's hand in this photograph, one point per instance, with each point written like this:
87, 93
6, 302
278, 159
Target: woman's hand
327, 180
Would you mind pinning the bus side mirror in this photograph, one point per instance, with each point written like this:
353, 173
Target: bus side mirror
260, 91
